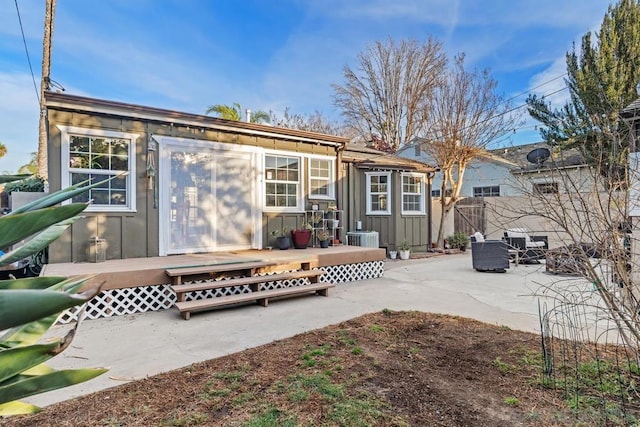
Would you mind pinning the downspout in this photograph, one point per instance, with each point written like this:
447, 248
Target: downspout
339, 184
339, 204
430, 176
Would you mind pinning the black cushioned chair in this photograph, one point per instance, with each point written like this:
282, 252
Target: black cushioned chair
531, 249
490, 255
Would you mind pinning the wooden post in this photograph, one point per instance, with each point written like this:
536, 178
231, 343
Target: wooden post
43, 133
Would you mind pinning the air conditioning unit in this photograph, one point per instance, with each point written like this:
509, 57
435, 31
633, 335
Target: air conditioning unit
367, 239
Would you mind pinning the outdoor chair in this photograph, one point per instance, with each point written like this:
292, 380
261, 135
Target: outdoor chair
489, 255
526, 247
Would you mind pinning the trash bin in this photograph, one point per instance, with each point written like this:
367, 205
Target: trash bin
96, 249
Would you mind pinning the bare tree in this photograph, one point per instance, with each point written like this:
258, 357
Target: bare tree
387, 95
464, 116
314, 122
593, 239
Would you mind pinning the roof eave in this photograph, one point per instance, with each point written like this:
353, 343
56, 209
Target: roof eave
113, 108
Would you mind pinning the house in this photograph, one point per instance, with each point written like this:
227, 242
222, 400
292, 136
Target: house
182, 183
631, 115
485, 176
505, 175
511, 171
388, 194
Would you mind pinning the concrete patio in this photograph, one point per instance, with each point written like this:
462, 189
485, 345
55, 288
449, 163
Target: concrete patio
141, 345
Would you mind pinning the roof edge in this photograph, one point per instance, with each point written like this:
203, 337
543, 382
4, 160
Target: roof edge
85, 104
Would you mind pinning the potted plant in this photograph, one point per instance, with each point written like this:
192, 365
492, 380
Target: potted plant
282, 238
393, 254
404, 249
316, 220
323, 237
458, 240
301, 236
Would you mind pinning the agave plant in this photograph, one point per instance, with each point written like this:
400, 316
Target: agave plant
30, 306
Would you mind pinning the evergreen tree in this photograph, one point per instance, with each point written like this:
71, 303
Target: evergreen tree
601, 80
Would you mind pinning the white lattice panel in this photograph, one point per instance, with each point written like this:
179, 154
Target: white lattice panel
116, 302
345, 273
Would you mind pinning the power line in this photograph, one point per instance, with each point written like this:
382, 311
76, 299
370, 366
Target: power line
24, 40
527, 92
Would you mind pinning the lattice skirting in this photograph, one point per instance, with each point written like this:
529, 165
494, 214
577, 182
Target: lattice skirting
117, 302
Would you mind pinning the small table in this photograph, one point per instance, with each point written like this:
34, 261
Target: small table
564, 261
515, 255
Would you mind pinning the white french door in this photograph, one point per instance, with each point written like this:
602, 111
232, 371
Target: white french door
207, 197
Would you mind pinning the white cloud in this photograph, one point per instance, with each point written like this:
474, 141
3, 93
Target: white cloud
550, 83
562, 14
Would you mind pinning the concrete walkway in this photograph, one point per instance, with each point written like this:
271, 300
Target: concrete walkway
141, 345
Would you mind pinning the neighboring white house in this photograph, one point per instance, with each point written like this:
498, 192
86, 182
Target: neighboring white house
631, 114
487, 176
514, 171
507, 176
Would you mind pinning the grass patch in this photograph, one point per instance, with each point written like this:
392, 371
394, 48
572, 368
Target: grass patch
503, 367
272, 417
356, 412
343, 337
313, 355
321, 384
511, 401
230, 377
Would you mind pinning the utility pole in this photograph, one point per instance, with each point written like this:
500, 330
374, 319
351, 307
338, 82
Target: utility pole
44, 86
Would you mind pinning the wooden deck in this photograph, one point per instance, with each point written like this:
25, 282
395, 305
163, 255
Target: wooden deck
133, 272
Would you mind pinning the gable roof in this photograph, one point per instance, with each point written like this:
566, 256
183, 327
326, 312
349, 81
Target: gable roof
368, 158
63, 101
489, 156
517, 154
631, 110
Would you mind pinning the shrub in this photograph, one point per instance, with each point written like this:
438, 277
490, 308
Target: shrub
30, 185
458, 240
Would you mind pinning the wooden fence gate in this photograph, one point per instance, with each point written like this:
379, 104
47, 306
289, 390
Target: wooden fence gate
470, 216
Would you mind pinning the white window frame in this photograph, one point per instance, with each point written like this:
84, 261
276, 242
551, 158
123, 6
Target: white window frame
421, 193
541, 187
369, 209
331, 181
299, 208
482, 189
65, 170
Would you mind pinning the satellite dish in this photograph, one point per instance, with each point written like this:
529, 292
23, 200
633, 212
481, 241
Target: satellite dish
538, 155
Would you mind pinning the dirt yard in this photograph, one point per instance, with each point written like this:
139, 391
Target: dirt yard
381, 369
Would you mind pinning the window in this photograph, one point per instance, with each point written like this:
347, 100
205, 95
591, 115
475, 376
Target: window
282, 182
320, 179
545, 188
493, 191
437, 193
412, 194
96, 155
378, 193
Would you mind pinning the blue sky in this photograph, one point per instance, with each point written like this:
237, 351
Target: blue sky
187, 54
